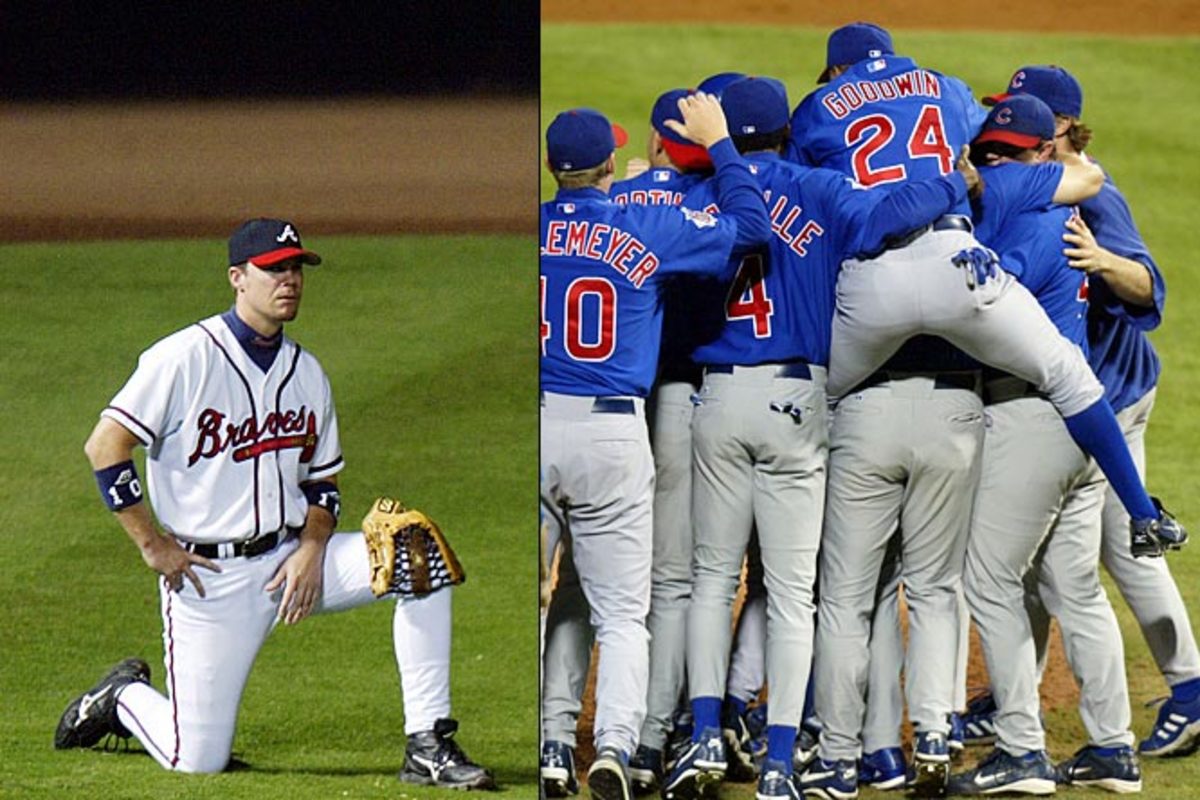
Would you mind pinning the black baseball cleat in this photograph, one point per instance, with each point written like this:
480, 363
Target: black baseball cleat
433, 758
1152, 538
93, 715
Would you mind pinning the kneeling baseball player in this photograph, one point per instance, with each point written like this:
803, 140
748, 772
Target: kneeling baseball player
242, 459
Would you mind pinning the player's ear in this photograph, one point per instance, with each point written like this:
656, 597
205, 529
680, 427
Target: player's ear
237, 277
610, 166
655, 141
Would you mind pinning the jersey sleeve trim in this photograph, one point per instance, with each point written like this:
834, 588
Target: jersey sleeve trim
131, 423
319, 471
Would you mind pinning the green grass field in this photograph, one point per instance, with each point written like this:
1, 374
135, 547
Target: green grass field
1144, 110
426, 341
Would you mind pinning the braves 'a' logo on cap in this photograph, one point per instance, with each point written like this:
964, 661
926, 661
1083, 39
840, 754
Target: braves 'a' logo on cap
288, 233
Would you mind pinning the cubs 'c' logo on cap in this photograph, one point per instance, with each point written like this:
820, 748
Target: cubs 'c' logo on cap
288, 233
1003, 116
1018, 79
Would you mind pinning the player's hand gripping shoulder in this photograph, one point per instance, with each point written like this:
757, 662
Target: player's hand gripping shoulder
1130, 280
703, 120
971, 175
110, 449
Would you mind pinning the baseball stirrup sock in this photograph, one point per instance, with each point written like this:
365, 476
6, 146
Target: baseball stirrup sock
706, 713
1095, 429
780, 741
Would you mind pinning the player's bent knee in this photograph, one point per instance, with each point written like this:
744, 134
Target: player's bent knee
205, 763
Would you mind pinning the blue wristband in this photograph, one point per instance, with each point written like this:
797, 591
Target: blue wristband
119, 485
324, 494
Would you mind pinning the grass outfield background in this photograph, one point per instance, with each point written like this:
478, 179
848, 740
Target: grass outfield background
426, 343
1141, 99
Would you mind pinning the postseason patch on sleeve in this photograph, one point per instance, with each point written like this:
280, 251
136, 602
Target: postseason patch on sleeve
701, 219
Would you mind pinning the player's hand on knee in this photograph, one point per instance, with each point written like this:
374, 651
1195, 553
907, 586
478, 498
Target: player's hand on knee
165, 556
703, 119
301, 576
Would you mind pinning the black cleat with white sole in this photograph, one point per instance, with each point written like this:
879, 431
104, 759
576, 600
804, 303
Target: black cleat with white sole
93, 715
433, 758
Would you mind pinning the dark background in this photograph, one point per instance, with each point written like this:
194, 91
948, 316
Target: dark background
81, 49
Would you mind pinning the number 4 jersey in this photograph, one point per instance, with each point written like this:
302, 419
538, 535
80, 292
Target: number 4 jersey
886, 120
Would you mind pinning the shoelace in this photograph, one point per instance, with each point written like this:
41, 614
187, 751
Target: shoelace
449, 753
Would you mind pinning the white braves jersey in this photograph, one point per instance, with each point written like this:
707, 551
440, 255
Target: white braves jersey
227, 445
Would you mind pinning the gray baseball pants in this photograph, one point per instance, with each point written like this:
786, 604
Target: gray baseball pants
767, 467
903, 453
671, 572
1145, 583
883, 302
1030, 466
597, 467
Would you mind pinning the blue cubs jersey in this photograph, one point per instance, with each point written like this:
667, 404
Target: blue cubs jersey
927, 353
659, 186
1121, 354
886, 120
1018, 219
603, 266
779, 306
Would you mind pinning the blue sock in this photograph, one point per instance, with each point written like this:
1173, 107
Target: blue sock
1095, 430
734, 706
1107, 752
706, 713
781, 739
1187, 691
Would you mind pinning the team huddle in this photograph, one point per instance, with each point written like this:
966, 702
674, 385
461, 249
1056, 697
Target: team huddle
886, 339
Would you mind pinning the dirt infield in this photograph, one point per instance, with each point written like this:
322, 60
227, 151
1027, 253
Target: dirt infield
196, 168
1125, 17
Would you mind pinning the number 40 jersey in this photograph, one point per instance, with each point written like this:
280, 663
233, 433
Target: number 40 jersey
885, 121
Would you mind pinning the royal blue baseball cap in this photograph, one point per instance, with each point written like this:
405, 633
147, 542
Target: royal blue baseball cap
1051, 84
853, 43
264, 242
1021, 120
715, 84
582, 138
755, 105
684, 153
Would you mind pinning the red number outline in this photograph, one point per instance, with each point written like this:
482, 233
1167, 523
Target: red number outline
926, 140
758, 307
606, 340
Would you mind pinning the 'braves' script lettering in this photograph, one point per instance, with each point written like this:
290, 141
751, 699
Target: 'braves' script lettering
281, 430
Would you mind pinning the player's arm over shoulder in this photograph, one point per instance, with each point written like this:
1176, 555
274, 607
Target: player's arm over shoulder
1081, 179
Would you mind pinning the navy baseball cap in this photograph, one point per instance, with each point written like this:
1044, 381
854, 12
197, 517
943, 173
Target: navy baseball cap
582, 138
755, 105
1053, 85
683, 152
715, 84
853, 43
264, 242
1021, 120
